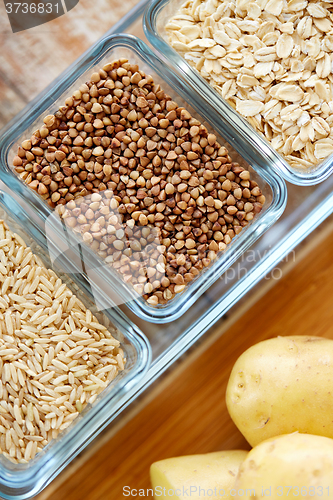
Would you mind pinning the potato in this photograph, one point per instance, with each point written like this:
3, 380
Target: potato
182, 477
293, 465
283, 385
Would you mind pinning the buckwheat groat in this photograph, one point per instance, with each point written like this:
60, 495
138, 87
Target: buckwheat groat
142, 181
272, 61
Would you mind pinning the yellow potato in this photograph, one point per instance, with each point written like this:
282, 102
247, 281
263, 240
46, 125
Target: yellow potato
196, 476
283, 385
289, 466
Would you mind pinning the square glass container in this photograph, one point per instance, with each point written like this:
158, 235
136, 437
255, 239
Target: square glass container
156, 17
137, 52
22, 481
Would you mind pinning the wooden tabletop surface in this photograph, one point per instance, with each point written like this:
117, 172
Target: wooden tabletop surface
30, 60
186, 412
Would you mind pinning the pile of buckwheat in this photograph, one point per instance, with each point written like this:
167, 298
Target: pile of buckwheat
272, 61
55, 357
141, 180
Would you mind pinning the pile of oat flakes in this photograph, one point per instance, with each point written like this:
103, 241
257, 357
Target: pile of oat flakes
144, 183
272, 61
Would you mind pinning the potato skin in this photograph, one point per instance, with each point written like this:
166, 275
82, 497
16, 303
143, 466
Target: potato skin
289, 466
211, 470
283, 385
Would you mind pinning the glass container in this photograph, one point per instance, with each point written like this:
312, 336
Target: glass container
137, 52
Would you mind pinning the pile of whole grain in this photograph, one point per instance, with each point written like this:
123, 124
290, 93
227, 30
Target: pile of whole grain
55, 357
142, 181
272, 61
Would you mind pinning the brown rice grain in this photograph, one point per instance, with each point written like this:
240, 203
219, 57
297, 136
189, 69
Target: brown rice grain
35, 351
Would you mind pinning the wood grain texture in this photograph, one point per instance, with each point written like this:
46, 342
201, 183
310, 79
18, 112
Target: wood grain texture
189, 414
31, 59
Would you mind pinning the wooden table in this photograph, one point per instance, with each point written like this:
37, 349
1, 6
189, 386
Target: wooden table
186, 412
